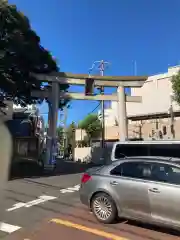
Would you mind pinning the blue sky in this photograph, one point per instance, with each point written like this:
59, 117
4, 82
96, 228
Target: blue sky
78, 32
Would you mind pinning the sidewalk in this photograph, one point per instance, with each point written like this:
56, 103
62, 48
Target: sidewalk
55, 232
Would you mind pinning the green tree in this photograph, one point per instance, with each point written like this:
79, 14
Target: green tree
92, 125
21, 54
176, 87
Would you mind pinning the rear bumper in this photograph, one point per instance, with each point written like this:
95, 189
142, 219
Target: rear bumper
83, 198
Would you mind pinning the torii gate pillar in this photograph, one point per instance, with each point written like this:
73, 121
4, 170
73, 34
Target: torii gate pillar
122, 115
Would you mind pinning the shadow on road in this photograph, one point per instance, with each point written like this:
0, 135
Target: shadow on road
145, 226
31, 170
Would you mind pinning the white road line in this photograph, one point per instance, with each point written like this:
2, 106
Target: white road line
70, 189
37, 201
66, 191
8, 228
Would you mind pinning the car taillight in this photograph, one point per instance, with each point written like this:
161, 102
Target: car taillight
85, 178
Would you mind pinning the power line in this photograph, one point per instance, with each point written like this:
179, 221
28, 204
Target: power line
94, 109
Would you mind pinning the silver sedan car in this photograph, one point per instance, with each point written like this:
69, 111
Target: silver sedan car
146, 189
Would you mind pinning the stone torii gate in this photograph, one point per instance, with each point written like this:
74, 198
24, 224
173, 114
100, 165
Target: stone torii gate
120, 82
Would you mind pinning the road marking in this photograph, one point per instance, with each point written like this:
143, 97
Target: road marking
8, 228
87, 229
37, 201
70, 189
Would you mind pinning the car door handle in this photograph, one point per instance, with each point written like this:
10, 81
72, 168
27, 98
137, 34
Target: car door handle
154, 190
114, 183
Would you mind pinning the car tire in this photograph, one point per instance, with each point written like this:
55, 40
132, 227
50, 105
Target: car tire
101, 200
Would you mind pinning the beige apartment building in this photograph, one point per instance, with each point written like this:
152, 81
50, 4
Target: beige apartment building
153, 117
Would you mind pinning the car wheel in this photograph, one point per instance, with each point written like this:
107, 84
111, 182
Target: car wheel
104, 208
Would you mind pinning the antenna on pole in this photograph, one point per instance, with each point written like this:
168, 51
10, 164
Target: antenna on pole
135, 68
100, 65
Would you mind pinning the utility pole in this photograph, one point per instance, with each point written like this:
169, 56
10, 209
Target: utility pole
171, 111
65, 128
63, 121
52, 131
101, 66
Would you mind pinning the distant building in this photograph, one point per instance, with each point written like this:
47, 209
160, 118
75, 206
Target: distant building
152, 115
110, 116
6, 113
80, 135
22, 121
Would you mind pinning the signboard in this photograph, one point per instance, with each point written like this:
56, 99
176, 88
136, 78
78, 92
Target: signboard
28, 107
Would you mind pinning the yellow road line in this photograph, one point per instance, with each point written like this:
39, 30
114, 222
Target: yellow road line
87, 229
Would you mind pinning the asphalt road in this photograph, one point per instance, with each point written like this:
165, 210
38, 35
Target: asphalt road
48, 207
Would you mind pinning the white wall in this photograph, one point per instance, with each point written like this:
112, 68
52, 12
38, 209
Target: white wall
156, 95
109, 116
82, 154
80, 134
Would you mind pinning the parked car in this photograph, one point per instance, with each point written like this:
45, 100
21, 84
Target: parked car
166, 148
141, 188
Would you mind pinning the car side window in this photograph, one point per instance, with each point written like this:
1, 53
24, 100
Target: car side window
166, 173
139, 170
116, 171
